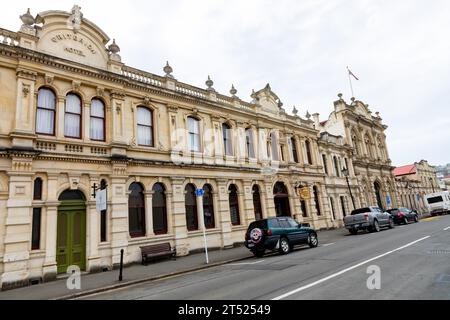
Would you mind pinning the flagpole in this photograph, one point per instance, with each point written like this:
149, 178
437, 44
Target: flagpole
350, 80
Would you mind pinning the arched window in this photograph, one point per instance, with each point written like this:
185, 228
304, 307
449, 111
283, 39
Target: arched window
97, 128
37, 190
136, 210
72, 117
159, 209
308, 151
249, 143
281, 200
190, 202
257, 203
274, 144
294, 149
46, 112
144, 127
194, 134
355, 142
336, 166
325, 165
227, 145
208, 207
103, 216
316, 200
234, 205
36, 222
332, 208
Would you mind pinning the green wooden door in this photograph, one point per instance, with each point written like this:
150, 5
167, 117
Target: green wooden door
71, 236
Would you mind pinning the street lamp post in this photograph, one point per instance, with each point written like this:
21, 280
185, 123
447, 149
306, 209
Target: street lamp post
346, 174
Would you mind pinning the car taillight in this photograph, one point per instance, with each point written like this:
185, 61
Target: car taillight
366, 216
401, 215
269, 232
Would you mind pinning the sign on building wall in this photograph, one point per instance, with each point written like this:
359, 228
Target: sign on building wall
388, 200
304, 193
100, 200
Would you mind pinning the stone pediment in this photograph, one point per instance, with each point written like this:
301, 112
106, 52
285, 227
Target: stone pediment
70, 36
362, 109
268, 100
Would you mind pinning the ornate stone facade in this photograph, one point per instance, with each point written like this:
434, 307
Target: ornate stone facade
253, 156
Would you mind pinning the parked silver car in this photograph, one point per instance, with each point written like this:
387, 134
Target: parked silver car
369, 218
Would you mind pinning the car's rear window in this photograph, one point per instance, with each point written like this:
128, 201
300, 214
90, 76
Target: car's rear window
261, 224
393, 211
274, 223
358, 211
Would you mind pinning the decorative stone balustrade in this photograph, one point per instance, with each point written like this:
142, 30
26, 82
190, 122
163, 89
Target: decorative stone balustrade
141, 76
8, 37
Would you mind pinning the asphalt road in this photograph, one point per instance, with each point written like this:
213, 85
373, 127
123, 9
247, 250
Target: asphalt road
413, 261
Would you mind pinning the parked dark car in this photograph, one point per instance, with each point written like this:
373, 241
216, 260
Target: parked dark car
404, 215
278, 234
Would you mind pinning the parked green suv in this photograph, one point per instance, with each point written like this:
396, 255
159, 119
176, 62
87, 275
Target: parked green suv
281, 234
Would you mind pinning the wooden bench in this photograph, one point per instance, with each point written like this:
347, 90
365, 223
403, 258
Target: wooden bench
157, 251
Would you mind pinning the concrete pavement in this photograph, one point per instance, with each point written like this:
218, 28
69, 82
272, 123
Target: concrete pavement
413, 260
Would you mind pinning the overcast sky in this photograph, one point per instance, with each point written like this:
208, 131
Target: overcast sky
400, 51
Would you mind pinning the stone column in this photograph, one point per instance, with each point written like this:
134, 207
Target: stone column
149, 213
179, 217
59, 120
24, 114
93, 237
248, 202
170, 216
224, 213
270, 204
18, 225
86, 114
119, 212
50, 269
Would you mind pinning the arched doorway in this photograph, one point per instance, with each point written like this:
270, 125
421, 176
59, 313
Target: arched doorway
378, 195
71, 231
281, 199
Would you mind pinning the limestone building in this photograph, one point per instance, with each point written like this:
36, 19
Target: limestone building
75, 117
413, 182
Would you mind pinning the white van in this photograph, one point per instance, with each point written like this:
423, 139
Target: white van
438, 203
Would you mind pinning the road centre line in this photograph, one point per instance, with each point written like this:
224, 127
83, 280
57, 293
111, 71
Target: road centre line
328, 244
448, 228
290, 293
246, 263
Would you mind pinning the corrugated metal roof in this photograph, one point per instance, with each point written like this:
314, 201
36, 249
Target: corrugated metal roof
405, 170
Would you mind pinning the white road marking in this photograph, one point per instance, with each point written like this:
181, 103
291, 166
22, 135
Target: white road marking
327, 244
347, 270
246, 263
448, 228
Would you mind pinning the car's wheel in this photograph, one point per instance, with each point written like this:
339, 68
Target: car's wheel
259, 253
391, 223
416, 218
405, 221
313, 241
353, 231
284, 246
375, 227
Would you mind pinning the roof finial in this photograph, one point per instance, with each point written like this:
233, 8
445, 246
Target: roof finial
209, 83
114, 48
27, 18
168, 70
233, 91
295, 111
308, 116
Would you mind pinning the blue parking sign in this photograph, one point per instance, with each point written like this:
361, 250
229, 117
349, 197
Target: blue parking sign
199, 192
388, 200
